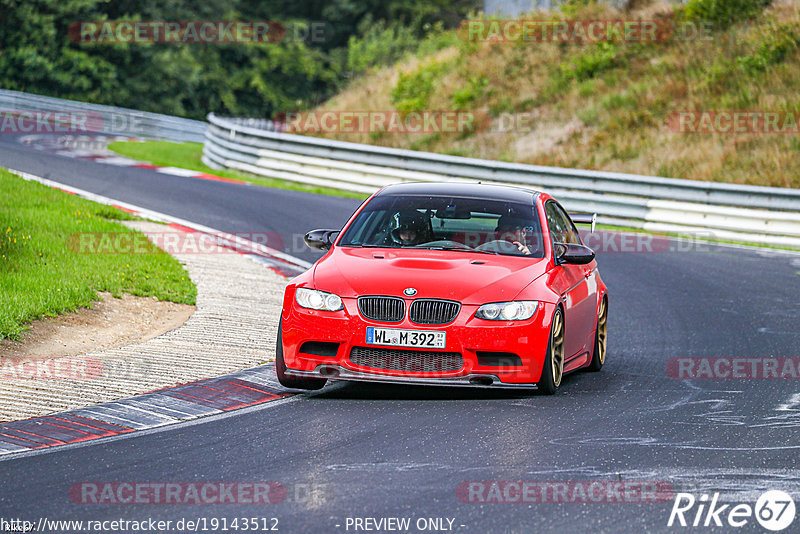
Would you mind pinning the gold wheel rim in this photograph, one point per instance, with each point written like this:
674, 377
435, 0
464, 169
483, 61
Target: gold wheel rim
557, 349
602, 331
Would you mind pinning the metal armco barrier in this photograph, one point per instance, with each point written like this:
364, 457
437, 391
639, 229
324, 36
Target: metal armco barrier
768, 215
105, 119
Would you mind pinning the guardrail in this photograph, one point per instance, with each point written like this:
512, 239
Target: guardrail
106, 119
767, 215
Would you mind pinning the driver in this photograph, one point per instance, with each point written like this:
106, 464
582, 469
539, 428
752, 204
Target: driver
512, 229
412, 229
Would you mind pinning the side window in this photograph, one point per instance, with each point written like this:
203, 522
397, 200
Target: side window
561, 228
554, 223
572, 233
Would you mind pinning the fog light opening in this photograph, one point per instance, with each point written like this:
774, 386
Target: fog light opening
481, 381
329, 371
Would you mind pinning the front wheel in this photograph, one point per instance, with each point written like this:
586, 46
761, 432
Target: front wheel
553, 368
600, 338
280, 369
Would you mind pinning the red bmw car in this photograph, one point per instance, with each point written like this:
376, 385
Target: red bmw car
446, 284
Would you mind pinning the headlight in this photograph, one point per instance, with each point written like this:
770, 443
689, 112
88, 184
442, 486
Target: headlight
518, 310
317, 300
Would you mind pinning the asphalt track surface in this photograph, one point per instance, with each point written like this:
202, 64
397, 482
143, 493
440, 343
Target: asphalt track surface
383, 451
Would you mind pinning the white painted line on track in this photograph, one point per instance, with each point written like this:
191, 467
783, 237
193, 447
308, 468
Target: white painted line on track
175, 171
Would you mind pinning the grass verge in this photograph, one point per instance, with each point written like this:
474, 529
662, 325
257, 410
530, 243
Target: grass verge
41, 275
188, 156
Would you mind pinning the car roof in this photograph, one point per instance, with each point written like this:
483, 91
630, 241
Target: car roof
461, 189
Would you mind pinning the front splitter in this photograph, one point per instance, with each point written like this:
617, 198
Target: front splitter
337, 372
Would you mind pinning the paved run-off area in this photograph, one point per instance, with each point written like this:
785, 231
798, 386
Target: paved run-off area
234, 327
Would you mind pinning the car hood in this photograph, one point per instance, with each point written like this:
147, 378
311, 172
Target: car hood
466, 277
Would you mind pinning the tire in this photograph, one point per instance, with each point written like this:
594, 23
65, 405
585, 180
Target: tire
280, 369
600, 338
553, 373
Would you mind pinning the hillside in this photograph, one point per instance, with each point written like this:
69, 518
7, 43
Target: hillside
611, 104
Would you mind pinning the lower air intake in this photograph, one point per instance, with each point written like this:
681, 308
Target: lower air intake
419, 361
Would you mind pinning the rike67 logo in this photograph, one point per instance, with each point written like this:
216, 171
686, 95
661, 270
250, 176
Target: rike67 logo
774, 510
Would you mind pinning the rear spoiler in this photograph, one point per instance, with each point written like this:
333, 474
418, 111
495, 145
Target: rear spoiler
585, 218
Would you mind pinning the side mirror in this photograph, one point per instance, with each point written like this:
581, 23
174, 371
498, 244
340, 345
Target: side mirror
572, 253
320, 239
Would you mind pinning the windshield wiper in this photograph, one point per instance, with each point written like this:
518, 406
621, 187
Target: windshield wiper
487, 252
460, 249
416, 247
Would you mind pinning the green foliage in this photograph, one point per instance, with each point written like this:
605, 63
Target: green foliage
721, 14
413, 90
379, 43
604, 56
437, 39
36, 57
475, 88
589, 116
775, 48
614, 101
504, 104
191, 80
573, 8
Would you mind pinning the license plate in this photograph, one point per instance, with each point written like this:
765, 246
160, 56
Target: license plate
405, 338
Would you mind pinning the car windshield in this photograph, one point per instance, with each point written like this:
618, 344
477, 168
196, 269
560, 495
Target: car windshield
447, 223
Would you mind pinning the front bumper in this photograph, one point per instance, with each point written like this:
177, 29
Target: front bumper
474, 380
470, 337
